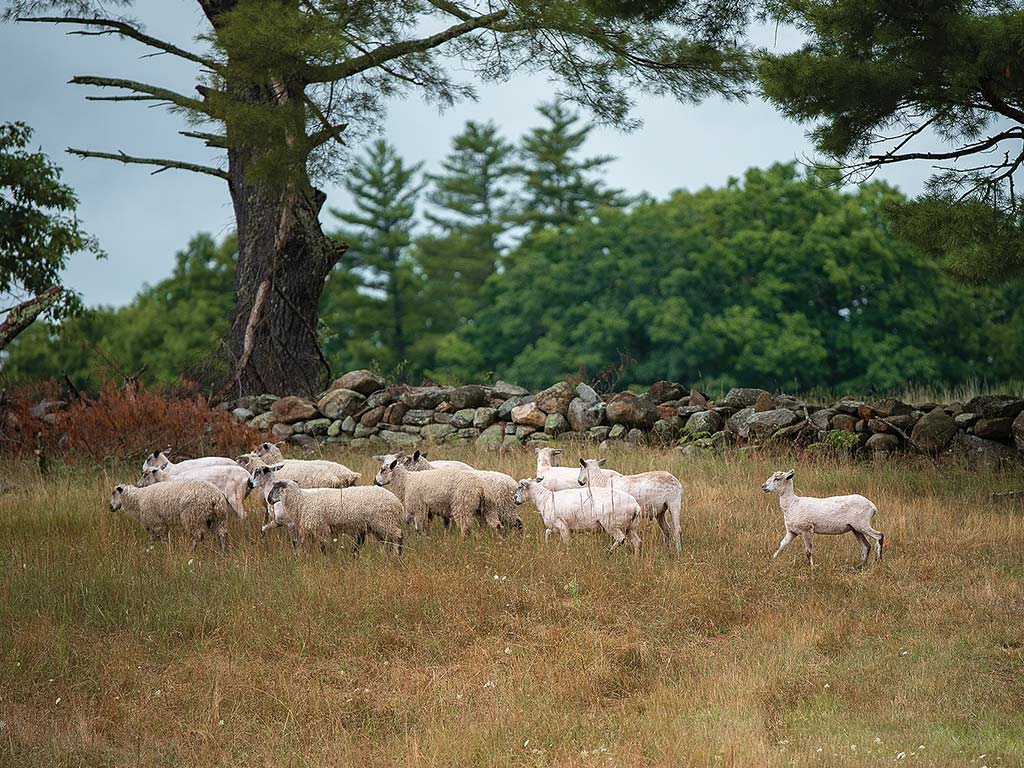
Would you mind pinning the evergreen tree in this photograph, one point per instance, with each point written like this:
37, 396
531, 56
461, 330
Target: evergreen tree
384, 191
561, 188
876, 78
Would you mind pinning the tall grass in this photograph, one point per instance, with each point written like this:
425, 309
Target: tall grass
484, 652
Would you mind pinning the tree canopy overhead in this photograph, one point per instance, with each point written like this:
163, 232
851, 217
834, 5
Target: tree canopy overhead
880, 79
284, 87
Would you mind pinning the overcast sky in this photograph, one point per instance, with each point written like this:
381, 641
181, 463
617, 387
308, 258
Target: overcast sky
142, 220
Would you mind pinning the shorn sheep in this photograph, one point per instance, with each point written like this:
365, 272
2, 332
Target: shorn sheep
233, 482
456, 496
307, 474
161, 460
806, 515
270, 453
660, 494
558, 478
195, 505
314, 515
583, 510
499, 486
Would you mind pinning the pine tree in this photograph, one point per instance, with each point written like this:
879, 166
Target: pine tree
560, 186
384, 191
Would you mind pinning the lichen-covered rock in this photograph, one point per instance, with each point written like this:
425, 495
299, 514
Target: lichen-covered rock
663, 391
418, 417
994, 429
966, 420
934, 431
469, 396
504, 390
636, 436
317, 427
616, 432
630, 410
598, 433
822, 418
339, 403
462, 419
529, 415
739, 422
362, 381
483, 417
667, 430
400, 440
556, 398
394, 413
704, 421
764, 402
524, 430
372, 417
505, 409
281, 431
848, 407
424, 398
491, 437
995, 406
587, 394
348, 425
980, 453
741, 397
335, 429
845, 422
555, 424
291, 409
883, 443
437, 432
766, 423
584, 415
262, 421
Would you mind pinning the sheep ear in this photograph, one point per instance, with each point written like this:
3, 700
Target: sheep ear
393, 464
789, 475
276, 467
583, 463
377, 458
539, 480
279, 443
416, 455
556, 451
600, 462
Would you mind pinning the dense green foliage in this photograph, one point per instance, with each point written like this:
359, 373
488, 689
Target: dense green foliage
877, 78
777, 280
39, 229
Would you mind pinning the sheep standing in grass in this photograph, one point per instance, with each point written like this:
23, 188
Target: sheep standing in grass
660, 494
195, 505
270, 453
161, 460
456, 496
314, 515
583, 510
306, 474
558, 478
500, 490
806, 515
233, 482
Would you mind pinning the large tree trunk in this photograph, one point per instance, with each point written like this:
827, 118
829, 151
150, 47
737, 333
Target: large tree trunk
283, 260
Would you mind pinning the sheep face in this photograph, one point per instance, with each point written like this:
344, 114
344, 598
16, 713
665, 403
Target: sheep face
387, 458
249, 461
588, 466
117, 498
262, 475
156, 459
149, 477
549, 454
270, 451
522, 493
778, 481
386, 473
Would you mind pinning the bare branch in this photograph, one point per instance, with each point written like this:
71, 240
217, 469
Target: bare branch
164, 165
385, 53
125, 29
969, 149
217, 140
22, 316
152, 91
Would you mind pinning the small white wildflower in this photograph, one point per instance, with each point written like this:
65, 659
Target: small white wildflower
900, 755
489, 684
853, 747
920, 746
220, 722
583, 753
507, 649
496, 577
526, 744
57, 700
818, 749
827, 686
157, 692
783, 741
458, 696
191, 560
878, 740
366, 690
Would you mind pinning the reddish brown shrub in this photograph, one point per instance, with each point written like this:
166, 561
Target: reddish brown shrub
120, 423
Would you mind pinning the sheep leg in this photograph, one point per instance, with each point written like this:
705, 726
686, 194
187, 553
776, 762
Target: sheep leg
563, 531
808, 547
662, 518
879, 538
357, 541
634, 539
547, 535
617, 538
677, 532
786, 540
865, 548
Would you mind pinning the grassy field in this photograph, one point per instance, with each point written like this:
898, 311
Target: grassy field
483, 652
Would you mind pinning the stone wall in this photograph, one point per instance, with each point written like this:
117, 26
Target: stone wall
361, 410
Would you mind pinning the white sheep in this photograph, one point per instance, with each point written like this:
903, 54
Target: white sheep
316, 514
454, 495
195, 505
583, 510
660, 494
233, 481
306, 474
444, 464
558, 478
499, 486
161, 460
270, 453
806, 515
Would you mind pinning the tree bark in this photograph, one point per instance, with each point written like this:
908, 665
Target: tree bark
23, 315
283, 259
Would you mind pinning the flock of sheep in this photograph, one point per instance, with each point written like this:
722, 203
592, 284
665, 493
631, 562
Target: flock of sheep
316, 500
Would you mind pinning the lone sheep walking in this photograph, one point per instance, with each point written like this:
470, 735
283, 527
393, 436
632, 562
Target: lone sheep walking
806, 515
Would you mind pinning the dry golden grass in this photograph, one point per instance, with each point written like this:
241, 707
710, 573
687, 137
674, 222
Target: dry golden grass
512, 653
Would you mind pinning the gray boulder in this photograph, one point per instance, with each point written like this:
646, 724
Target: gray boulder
437, 432
492, 437
934, 431
484, 417
704, 421
584, 415
587, 394
555, 424
979, 453
766, 423
995, 406
556, 398
424, 398
362, 381
242, 415
339, 403
883, 443
994, 429
317, 427
469, 396
741, 397
463, 419
418, 418
739, 422
630, 410
504, 390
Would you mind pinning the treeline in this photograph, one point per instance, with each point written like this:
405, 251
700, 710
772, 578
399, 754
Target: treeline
517, 261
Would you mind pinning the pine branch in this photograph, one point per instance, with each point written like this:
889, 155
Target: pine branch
217, 140
390, 51
153, 91
116, 26
165, 165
